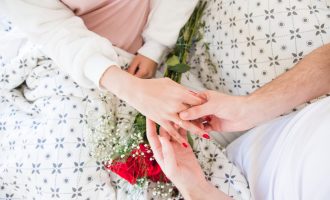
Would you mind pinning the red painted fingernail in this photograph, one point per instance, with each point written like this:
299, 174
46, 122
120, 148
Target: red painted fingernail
206, 136
208, 118
185, 145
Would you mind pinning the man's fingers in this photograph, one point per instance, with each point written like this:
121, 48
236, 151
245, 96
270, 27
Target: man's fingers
191, 98
199, 123
196, 112
202, 95
154, 142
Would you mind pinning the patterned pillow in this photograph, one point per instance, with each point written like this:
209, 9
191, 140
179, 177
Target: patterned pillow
247, 44
252, 42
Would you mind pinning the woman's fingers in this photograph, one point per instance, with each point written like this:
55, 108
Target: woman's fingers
133, 68
164, 134
175, 134
141, 73
154, 142
183, 133
208, 127
169, 155
187, 125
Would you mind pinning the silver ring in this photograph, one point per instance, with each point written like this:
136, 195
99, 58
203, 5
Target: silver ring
180, 123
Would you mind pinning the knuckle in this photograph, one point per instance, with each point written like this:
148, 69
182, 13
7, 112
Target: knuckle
177, 107
193, 111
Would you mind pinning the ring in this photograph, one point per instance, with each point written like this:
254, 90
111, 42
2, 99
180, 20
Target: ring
180, 123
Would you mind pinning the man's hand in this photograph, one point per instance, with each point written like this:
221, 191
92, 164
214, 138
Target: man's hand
143, 67
310, 78
223, 112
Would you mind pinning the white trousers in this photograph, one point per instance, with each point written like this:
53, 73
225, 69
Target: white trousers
289, 157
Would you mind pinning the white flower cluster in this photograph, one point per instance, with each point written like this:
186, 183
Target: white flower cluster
112, 138
163, 190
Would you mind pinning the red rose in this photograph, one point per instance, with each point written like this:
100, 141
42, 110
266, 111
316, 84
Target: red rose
123, 171
142, 165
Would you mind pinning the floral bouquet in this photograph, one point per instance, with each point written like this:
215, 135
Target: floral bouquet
120, 140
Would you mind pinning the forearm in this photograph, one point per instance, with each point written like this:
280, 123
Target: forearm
205, 191
309, 79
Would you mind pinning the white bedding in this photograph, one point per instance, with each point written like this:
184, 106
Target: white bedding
43, 130
44, 133
288, 158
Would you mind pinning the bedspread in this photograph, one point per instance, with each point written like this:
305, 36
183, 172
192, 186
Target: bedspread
44, 132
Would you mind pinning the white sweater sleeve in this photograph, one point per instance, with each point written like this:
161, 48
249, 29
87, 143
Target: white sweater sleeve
82, 54
166, 19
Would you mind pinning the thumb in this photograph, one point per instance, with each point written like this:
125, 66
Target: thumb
197, 112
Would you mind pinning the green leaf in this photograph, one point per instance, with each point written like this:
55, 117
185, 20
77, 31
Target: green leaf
140, 123
186, 35
173, 61
190, 140
180, 68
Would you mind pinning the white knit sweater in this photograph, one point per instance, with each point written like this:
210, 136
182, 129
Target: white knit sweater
83, 54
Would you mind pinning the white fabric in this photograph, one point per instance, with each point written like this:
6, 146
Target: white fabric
248, 43
44, 140
288, 158
219, 31
78, 51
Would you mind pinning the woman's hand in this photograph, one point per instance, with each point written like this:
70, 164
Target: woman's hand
223, 112
158, 99
142, 67
180, 165
161, 100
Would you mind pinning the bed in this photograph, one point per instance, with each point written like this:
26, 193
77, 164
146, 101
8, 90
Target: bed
44, 115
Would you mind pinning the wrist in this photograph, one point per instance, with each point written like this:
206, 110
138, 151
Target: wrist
118, 82
205, 191
198, 192
256, 104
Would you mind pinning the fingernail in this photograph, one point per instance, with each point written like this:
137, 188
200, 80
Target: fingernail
208, 118
185, 145
206, 136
